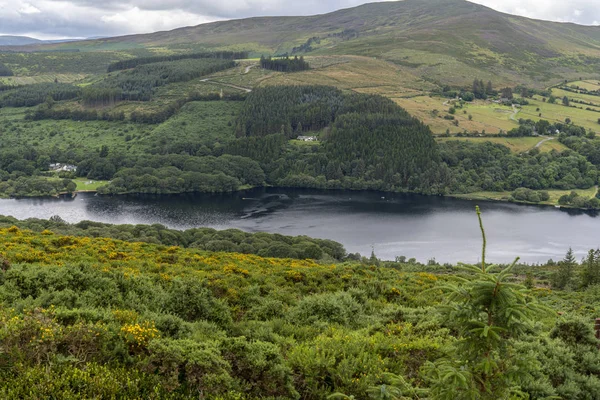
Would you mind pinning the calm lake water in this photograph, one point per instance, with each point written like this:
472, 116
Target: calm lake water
393, 224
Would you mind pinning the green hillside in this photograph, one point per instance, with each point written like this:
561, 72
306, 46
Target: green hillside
432, 37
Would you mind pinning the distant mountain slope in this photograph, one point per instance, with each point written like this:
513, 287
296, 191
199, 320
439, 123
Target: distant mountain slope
445, 40
6, 40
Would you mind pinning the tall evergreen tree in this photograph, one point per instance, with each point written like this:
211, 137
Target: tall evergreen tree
489, 313
591, 268
564, 275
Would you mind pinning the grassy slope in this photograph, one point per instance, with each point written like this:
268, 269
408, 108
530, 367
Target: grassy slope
361, 74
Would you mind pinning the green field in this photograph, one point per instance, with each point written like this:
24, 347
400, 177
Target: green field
504, 196
587, 84
559, 113
493, 118
588, 98
84, 185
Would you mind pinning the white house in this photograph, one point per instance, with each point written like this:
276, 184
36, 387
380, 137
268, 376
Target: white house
58, 167
308, 138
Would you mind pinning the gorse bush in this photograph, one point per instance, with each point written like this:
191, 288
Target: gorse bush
84, 317
339, 308
183, 321
228, 240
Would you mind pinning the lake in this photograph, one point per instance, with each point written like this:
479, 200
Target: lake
423, 227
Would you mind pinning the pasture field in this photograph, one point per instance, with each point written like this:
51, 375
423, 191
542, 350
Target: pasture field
589, 84
493, 118
486, 116
559, 113
588, 98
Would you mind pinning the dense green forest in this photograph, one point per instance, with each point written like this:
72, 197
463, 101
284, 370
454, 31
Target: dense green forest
285, 64
492, 167
86, 316
290, 110
181, 174
405, 150
5, 71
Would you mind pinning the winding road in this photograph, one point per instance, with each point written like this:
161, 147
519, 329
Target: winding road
546, 139
513, 116
247, 90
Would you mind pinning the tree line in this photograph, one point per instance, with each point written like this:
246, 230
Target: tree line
37, 93
135, 62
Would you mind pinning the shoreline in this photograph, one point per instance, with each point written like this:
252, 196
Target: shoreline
461, 196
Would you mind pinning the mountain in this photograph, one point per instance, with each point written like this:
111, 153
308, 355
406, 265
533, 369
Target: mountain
6, 40
444, 40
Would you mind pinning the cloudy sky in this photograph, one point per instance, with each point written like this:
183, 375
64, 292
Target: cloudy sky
52, 19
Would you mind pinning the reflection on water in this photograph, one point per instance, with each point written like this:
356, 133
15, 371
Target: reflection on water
394, 224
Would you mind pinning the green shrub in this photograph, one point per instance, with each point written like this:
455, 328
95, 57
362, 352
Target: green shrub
260, 368
189, 367
339, 308
192, 301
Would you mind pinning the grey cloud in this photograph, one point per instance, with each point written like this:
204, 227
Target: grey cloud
228, 8
584, 12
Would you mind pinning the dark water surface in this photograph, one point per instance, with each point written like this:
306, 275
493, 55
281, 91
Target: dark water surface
415, 226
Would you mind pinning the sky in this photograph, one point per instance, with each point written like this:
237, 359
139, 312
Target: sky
54, 19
